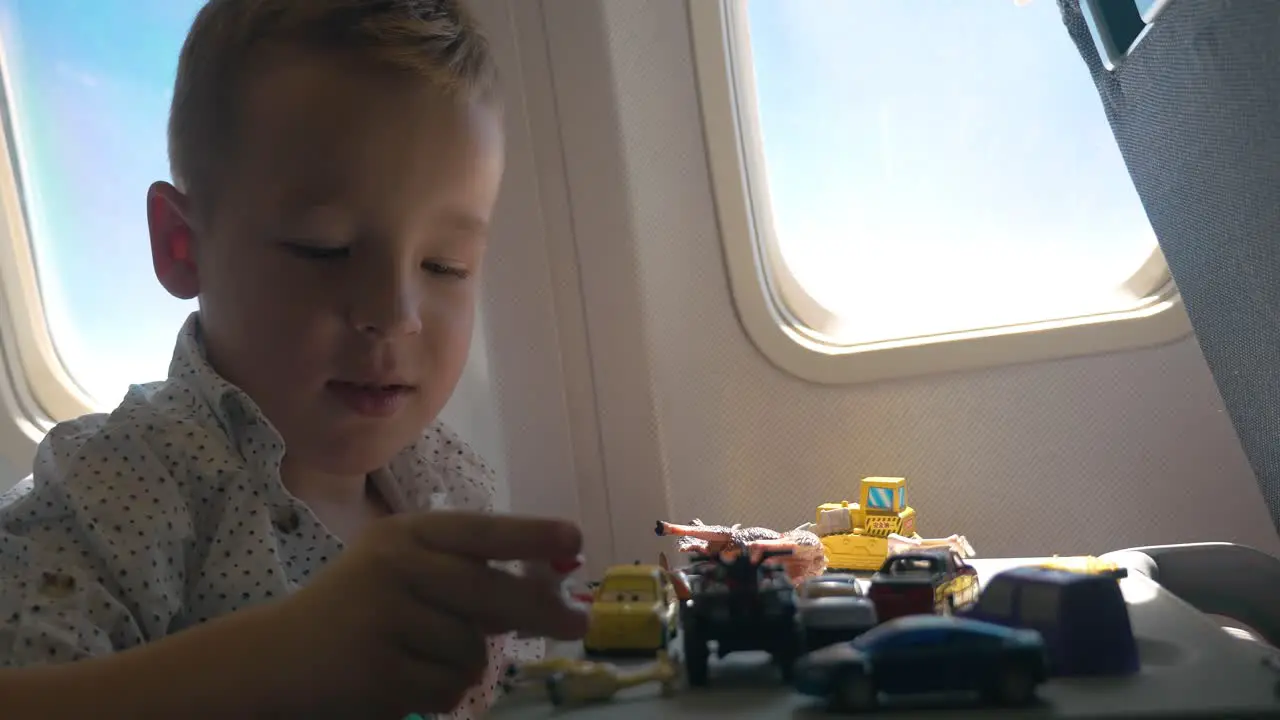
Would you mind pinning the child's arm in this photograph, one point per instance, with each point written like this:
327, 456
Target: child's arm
94, 551
320, 651
227, 668
79, 640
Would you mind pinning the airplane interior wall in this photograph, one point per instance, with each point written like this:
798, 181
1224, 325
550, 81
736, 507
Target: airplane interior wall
612, 383
609, 258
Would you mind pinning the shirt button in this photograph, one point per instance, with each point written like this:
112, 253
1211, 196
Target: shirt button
285, 519
57, 585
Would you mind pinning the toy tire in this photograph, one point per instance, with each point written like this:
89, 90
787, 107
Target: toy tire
854, 692
696, 662
1015, 686
786, 662
555, 689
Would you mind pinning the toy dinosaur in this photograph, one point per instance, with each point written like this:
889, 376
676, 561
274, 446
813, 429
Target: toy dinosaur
807, 558
901, 543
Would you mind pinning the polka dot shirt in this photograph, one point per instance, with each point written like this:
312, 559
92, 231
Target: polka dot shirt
170, 511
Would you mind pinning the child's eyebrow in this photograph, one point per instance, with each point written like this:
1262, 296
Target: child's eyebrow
317, 207
312, 210
462, 222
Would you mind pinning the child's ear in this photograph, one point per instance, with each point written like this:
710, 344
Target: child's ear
172, 238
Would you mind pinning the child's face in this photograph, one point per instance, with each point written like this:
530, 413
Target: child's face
337, 274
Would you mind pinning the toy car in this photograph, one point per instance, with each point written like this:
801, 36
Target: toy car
633, 609
926, 654
1085, 564
1082, 617
933, 580
740, 604
832, 608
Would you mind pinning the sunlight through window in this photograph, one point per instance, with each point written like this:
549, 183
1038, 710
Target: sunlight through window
935, 167
88, 93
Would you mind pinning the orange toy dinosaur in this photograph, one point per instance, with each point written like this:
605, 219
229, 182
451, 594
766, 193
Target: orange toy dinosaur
807, 558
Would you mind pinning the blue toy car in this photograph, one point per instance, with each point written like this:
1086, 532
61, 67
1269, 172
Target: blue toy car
919, 654
1082, 617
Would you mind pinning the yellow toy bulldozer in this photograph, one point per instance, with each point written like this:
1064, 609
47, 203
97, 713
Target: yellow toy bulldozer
855, 535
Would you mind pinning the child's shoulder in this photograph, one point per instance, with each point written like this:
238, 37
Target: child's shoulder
123, 477
149, 437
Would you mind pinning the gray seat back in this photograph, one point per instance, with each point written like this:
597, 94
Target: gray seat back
1195, 107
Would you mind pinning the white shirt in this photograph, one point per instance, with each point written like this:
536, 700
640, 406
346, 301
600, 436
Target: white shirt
170, 511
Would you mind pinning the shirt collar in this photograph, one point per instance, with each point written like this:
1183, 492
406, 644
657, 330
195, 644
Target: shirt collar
239, 416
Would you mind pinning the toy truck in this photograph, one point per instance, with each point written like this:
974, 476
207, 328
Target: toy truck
923, 582
855, 535
741, 605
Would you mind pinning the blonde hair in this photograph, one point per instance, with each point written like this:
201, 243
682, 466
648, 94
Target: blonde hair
436, 40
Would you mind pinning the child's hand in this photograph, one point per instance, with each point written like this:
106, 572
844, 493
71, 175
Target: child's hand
398, 623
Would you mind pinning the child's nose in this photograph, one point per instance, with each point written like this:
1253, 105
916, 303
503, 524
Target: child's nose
388, 306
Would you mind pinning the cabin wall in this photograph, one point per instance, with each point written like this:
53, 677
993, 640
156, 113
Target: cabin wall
611, 382
620, 270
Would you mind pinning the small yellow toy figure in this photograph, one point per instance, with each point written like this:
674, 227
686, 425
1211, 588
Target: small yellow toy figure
581, 682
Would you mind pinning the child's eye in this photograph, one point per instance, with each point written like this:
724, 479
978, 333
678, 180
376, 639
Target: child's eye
312, 252
437, 268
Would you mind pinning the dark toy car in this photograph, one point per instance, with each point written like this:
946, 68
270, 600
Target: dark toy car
832, 608
1083, 617
742, 605
934, 580
926, 654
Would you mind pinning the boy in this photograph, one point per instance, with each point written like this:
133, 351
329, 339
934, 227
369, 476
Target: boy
335, 166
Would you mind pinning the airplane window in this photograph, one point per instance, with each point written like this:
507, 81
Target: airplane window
87, 90
1145, 6
938, 171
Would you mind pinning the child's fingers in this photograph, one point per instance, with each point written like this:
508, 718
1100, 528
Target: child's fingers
494, 600
495, 537
441, 638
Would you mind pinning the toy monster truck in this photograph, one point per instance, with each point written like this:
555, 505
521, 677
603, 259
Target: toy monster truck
741, 605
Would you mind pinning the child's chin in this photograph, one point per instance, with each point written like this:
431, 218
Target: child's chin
355, 451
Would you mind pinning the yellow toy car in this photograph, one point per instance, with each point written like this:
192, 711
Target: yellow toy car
1085, 564
633, 609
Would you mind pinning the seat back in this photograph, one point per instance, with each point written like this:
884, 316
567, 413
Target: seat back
1195, 107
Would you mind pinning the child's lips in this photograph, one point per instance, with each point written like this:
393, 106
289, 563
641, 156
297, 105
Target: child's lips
376, 400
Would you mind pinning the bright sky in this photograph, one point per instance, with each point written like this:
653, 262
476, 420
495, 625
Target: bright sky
935, 163
91, 83
917, 150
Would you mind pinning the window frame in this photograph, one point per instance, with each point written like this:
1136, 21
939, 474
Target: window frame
43, 389
786, 323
